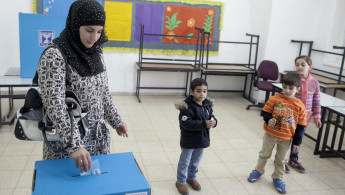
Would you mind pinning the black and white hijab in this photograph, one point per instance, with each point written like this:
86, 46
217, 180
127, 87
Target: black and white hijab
86, 61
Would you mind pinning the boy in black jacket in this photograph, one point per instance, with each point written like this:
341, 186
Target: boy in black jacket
196, 119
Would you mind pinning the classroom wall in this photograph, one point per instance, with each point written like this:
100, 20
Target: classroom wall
277, 22
321, 21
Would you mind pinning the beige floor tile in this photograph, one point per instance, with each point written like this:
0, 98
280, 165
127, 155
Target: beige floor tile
228, 186
161, 173
25, 180
2, 147
150, 146
209, 156
220, 144
141, 126
229, 156
129, 146
163, 187
168, 136
313, 166
229, 133
216, 170
340, 191
30, 165
173, 157
13, 163
171, 146
323, 192
146, 136
241, 144
38, 148
240, 169
9, 179
164, 127
22, 191
5, 136
6, 191
251, 154
154, 158
19, 149
333, 179
311, 182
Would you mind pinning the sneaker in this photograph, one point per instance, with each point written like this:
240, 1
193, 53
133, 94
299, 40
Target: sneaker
293, 162
287, 169
253, 176
280, 185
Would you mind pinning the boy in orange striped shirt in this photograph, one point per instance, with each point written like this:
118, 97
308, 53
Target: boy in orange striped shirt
285, 120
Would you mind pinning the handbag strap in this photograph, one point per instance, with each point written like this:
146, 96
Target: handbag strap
41, 124
44, 128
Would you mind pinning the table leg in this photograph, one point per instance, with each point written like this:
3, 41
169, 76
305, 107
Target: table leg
319, 135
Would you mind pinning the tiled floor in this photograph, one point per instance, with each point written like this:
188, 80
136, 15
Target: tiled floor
154, 140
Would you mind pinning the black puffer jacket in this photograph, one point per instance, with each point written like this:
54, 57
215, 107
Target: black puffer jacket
194, 133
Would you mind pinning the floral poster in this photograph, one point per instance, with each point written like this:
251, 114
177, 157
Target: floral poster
180, 20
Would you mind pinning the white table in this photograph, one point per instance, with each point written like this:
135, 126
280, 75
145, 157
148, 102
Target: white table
10, 82
334, 149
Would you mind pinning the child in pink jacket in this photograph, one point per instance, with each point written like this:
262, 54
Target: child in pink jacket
309, 94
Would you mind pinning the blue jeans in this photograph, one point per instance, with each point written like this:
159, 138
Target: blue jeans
296, 154
190, 159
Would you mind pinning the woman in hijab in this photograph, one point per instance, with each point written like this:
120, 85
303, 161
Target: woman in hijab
85, 72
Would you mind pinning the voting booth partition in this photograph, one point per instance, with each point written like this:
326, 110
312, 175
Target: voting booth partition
36, 31
120, 174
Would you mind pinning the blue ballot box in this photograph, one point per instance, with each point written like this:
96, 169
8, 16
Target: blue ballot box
120, 175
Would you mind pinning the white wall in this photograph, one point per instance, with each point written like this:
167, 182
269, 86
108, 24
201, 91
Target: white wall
9, 33
276, 21
300, 20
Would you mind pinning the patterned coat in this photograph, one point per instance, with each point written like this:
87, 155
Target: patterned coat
93, 94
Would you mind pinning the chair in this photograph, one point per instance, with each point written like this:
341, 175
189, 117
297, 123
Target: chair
268, 70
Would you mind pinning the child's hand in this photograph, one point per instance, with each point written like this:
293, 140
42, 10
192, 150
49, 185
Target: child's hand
295, 149
272, 122
210, 123
318, 124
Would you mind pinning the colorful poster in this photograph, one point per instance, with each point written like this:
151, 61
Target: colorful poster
161, 17
150, 15
119, 20
58, 7
180, 20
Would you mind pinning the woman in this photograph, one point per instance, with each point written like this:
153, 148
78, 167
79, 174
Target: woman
80, 43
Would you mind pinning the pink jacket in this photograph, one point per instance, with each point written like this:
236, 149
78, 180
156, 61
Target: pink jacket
309, 94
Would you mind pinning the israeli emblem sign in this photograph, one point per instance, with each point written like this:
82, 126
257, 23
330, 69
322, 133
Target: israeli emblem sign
45, 37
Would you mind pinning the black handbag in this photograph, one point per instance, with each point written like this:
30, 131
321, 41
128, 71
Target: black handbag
32, 123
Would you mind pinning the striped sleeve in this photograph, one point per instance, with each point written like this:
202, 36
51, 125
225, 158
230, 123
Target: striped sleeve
269, 105
316, 106
302, 115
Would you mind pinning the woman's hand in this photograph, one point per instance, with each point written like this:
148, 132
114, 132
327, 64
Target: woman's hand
122, 130
82, 159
